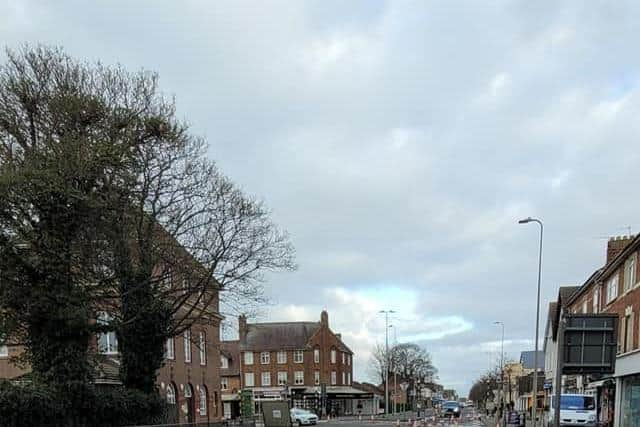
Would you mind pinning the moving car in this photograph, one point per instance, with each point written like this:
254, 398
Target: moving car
451, 409
575, 410
303, 417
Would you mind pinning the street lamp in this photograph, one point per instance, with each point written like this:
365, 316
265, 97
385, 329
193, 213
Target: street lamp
534, 393
395, 372
501, 366
386, 359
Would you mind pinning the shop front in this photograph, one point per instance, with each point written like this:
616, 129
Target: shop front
628, 390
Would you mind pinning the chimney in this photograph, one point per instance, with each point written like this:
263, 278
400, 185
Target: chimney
616, 244
242, 327
324, 318
339, 336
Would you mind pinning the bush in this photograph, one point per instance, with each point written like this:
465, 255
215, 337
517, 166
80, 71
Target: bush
77, 405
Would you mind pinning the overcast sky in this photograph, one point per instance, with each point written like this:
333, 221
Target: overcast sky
399, 143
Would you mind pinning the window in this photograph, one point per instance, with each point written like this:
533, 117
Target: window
107, 341
333, 378
265, 358
4, 351
596, 300
265, 379
316, 355
187, 345
333, 355
203, 400
298, 377
349, 358
585, 308
282, 378
203, 348
298, 356
224, 383
628, 332
171, 394
248, 379
224, 362
348, 378
248, 358
612, 289
170, 349
282, 357
343, 358
316, 377
630, 273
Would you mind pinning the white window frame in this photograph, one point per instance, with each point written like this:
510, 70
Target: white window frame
298, 378
224, 383
111, 339
344, 379
171, 394
334, 378
298, 356
628, 333
612, 288
596, 299
203, 401
585, 307
282, 377
333, 356
224, 362
249, 379
343, 357
265, 357
186, 338
281, 357
248, 358
316, 355
202, 338
4, 351
348, 378
170, 349
267, 376
630, 273
316, 377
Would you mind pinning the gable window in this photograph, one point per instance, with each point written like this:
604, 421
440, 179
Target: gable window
612, 288
224, 383
316, 355
248, 358
265, 379
630, 273
203, 400
298, 377
107, 341
316, 377
186, 336
333, 378
170, 349
248, 379
203, 348
265, 358
282, 357
333, 355
282, 378
298, 356
224, 362
596, 300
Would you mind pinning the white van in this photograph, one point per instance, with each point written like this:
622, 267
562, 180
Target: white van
575, 410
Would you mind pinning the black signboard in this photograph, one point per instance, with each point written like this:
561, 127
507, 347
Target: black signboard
590, 344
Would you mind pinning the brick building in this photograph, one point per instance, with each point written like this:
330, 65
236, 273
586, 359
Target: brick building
305, 362
230, 378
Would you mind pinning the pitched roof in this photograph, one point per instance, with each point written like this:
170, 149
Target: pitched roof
368, 387
278, 336
231, 350
565, 294
585, 286
527, 359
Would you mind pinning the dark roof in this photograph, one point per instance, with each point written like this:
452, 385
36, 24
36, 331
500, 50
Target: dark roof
231, 350
368, 387
565, 294
527, 359
278, 336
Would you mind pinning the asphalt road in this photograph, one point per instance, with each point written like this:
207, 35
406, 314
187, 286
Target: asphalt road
468, 418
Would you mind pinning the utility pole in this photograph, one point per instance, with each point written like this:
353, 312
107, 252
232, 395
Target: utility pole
386, 359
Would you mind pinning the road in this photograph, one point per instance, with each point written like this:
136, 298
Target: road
469, 418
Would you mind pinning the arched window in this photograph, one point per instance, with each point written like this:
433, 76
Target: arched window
171, 394
203, 400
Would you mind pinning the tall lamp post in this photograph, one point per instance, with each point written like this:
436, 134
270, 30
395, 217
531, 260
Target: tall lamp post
386, 359
395, 373
534, 393
501, 367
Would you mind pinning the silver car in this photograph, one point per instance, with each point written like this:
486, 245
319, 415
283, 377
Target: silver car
303, 417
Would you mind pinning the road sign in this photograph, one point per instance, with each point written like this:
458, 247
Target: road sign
590, 344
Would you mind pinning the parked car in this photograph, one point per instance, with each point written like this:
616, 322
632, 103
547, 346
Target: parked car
303, 417
575, 410
450, 409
